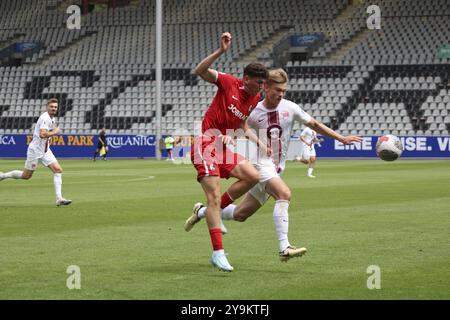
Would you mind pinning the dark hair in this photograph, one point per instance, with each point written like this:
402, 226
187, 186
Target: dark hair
52, 100
256, 69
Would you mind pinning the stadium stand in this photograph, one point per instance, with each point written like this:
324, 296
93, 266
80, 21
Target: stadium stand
359, 81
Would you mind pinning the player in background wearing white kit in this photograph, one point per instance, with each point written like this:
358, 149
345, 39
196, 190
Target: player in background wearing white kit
39, 149
309, 138
274, 117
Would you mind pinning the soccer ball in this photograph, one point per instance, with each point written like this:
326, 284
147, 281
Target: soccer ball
389, 147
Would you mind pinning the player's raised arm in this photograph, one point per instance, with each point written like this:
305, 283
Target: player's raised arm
203, 70
330, 133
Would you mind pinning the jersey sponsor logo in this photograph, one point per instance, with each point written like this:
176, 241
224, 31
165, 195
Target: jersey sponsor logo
7, 140
274, 132
237, 112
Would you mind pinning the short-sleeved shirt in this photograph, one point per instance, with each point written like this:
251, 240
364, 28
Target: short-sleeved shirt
38, 145
169, 142
231, 105
276, 125
308, 135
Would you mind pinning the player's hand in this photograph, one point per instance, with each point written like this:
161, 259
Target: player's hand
56, 131
227, 140
225, 41
351, 139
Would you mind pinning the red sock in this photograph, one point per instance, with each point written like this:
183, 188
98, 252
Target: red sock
226, 200
216, 238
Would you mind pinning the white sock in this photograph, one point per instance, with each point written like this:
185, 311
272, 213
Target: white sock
218, 251
281, 220
310, 171
201, 213
57, 180
16, 174
228, 212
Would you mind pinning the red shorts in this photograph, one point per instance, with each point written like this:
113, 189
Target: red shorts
211, 157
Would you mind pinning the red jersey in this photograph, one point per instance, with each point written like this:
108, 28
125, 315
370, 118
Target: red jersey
231, 105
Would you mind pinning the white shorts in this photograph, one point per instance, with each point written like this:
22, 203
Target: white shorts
267, 171
33, 158
308, 152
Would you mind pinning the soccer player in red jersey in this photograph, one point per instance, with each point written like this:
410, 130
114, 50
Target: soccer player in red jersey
229, 110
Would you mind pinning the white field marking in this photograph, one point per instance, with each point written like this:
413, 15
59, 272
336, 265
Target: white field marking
110, 181
97, 181
90, 174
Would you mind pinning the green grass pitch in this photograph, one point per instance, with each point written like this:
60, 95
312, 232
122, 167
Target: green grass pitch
125, 232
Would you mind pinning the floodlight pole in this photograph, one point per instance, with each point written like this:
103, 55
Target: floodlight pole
158, 74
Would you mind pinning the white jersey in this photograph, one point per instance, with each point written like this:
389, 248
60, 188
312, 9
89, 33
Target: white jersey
37, 145
309, 135
277, 128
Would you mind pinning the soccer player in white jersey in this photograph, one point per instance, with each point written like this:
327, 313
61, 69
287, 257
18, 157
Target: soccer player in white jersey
309, 138
274, 118
39, 150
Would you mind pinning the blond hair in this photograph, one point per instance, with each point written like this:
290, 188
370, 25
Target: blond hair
277, 76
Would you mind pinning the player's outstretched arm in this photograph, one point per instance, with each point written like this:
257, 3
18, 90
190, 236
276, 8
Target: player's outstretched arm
203, 69
330, 133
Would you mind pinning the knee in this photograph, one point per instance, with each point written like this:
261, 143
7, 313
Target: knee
26, 175
284, 194
239, 217
213, 199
